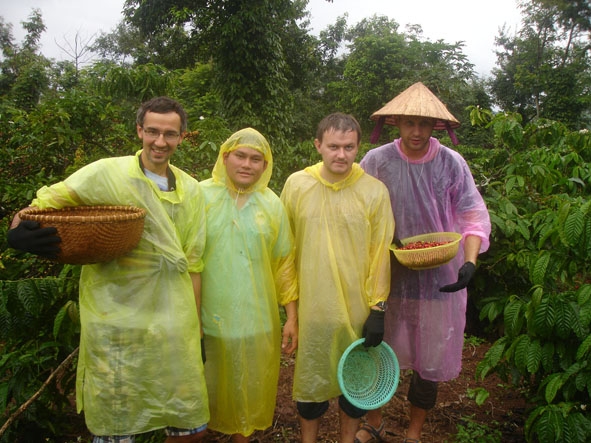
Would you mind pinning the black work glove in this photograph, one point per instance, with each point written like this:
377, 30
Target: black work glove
203, 350
465, 274
29, 237
373, 329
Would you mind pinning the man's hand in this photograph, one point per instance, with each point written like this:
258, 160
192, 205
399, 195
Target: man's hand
29, 237
373, 329
465, 274
289, 343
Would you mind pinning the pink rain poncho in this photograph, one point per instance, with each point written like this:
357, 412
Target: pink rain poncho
139, 365
343, 231
424, 326
249, 271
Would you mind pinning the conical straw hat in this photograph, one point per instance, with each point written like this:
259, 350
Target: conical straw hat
417, 100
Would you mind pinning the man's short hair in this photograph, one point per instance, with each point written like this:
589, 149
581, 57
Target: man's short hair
338, 121
162, 105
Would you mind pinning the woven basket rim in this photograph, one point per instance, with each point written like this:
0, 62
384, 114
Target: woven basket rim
456, 237
92, 233
385, 351
437, 255
112, 213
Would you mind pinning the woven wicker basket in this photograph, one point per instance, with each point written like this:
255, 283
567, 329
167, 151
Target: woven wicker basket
368, 377
428, 258
91, 234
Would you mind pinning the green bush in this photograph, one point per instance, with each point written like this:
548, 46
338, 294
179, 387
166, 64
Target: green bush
535, 282
39, 328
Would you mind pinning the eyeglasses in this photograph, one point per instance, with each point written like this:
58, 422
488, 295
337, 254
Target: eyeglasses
169, 136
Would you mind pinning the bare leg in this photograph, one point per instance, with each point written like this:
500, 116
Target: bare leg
309, 429
374, 419
239, 438
417, 420
349, 427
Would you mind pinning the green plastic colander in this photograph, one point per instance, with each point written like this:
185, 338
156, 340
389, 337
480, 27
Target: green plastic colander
368, 377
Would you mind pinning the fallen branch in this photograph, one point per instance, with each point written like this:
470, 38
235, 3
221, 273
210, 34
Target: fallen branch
36, 395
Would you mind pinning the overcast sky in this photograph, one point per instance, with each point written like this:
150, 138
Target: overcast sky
475, 22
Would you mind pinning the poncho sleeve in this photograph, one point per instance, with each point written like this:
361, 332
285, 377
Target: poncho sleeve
285, 271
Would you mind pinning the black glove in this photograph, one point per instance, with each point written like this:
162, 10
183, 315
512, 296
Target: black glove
373, 329
203, 350
29, 237
465, 274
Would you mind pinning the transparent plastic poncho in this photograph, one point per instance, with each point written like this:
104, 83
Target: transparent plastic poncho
343, 232
424, 326
249, 272
140, 364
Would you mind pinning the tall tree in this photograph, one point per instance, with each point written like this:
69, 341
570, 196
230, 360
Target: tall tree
253, 46
382, 61
24, 72
543, 71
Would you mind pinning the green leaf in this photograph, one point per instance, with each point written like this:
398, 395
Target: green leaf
540, 268
521, 352
576, 428
513, 316
534, 356
555, 382
59, 318
573, 228
27, 294
583, 349
584, 294
480, 395
523, 229
492, 358
565, 318
544, 317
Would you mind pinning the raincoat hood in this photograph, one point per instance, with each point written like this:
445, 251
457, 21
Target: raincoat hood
245, 138
353, 177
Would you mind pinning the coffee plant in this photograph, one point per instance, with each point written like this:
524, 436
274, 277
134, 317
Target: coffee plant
535, 280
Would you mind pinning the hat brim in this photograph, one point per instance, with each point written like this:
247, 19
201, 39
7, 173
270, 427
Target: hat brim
417, 101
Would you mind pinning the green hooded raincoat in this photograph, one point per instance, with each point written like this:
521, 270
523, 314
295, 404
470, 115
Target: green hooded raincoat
249, 272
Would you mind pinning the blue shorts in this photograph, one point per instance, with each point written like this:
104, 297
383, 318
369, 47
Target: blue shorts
169, 431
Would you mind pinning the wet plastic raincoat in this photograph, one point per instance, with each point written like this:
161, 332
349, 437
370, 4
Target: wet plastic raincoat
343, 231
140, 365
249, 272
424, 326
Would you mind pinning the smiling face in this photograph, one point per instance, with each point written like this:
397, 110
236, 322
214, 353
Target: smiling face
244, 166
338, 150
160, 135
415, 133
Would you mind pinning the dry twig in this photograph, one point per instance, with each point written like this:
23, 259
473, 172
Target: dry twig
26, 404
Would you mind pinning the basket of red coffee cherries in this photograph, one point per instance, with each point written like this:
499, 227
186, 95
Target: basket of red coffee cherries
427, 251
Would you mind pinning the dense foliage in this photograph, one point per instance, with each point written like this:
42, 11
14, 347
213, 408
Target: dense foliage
535, 282
531, 162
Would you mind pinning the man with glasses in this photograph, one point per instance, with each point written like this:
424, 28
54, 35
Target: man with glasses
140, 366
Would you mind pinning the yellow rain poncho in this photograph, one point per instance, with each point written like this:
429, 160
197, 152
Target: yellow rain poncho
140, 364
342, 232
249, 271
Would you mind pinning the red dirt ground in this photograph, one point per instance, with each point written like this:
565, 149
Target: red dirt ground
504, 410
